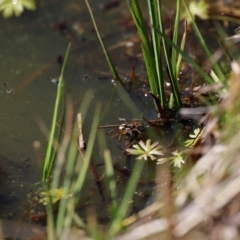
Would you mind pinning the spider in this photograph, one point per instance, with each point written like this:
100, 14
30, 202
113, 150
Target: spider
130, 130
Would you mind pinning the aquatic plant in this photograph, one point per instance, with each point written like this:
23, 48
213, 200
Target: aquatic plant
108, 58
215, 65
161, 44
53, 195
145, 150
76, 168
193, 137
153, 47
197, 9
51, 147
177, 159
16, 7
65, 155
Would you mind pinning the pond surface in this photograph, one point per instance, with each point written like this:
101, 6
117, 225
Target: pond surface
32, 46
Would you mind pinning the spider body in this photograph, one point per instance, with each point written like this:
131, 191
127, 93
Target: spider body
131, 130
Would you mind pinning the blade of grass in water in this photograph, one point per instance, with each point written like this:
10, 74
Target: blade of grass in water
110, 179
175, 38
182, 46
48, 161
187, 58
148, 55
71, 162
110, 63
173, 80
120, 87
76, 186
50, 217
128, 195
152, 49
153, 15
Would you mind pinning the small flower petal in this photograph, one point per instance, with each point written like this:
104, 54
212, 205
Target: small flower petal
196, 8
16, 7
178, 160
145, 150
143, 145
162, 160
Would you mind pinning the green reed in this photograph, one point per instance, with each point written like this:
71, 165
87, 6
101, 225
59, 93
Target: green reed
216, 67
75, 163
153, 47
55, 131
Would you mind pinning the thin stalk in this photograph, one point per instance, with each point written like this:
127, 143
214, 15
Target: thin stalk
50, 219
175, 39
61, 159
147, 49
152, 6
71, 163
216, 67
122, 210
76, 186
173, 80
109, 60
187, 58
89, 150
182, 46
48, 162
110, 178
78, 221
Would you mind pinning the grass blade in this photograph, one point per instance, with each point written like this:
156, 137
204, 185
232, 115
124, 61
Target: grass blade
147, 49
215, 65
122, 210
71, 163
76, 186
188, 58
154, 21
175, 39
110, 178
48, 161
173, 79
182, 46
110, 63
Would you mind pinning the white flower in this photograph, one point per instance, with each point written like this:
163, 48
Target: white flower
16, 7
194, 137
178, 159
196, 8
145, 150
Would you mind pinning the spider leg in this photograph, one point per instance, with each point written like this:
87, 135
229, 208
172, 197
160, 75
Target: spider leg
108, 126
113, 133
120, 137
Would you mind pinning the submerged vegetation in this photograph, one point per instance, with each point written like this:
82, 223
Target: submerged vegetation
196, 179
